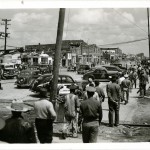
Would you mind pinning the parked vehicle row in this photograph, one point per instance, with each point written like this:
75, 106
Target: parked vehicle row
39, 83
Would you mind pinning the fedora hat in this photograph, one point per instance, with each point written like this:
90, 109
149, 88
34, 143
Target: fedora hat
17, 106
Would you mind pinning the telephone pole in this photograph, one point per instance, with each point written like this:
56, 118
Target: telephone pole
57, 53
5, 34
148, 31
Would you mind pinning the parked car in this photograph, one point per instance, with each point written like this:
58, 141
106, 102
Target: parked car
99, 73
26, 77
43, 83
8, 70
83, 69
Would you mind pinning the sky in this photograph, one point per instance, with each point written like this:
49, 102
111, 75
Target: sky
101, 26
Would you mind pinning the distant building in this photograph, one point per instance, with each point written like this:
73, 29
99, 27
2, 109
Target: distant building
111, 53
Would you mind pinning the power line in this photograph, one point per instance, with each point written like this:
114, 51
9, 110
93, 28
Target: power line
127, 42
129, 20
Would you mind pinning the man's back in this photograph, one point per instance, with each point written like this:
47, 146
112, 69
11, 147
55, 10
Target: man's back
91, 110
126, 83
113, 91
17, 130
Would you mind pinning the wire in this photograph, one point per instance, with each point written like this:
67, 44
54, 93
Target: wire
129, 20
127, 42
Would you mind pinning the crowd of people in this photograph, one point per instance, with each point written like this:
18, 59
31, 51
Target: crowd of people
85, 114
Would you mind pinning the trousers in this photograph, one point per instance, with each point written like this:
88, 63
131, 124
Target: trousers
44, 130
70, 123
142, 89
113, 108
89, 134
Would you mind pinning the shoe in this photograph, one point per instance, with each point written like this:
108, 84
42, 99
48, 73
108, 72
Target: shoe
126, 103
64, 135
116, 125
1, 88
111, 125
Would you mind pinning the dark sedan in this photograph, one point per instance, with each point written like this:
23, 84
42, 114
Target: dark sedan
99, 73
43, 82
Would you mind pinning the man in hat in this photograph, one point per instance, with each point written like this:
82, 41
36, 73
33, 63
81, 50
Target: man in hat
71, 113
16, 128
126, 86
91, 112
114, 97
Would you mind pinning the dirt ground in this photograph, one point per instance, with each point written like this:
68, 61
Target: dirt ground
122, 133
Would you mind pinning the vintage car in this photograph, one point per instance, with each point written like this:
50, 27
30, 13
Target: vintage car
83, 69
98, 73
26, 77
43, 83
8, 70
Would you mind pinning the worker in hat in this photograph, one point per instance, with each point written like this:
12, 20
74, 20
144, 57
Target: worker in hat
114, 97
16, 129
91, 112
143, 81
126, 86
71, 107
96, 96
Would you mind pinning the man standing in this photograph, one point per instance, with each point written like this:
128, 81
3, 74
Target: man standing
114, 97
143, 80
17, 129
71, 112
91, 111
45, 115
125, 87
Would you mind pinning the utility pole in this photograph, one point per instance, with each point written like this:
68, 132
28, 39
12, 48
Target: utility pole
6, 34
57, 53
148, 31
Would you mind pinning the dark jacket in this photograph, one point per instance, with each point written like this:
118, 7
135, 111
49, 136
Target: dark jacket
91, 110
17, 130
114, 92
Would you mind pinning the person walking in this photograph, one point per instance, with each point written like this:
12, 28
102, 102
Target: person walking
143, 80
71, 107
45, 115
91, 112
17, 129
134, 78
126, 87
114, 97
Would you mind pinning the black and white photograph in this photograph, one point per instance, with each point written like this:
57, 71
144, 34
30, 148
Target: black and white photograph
74, 75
